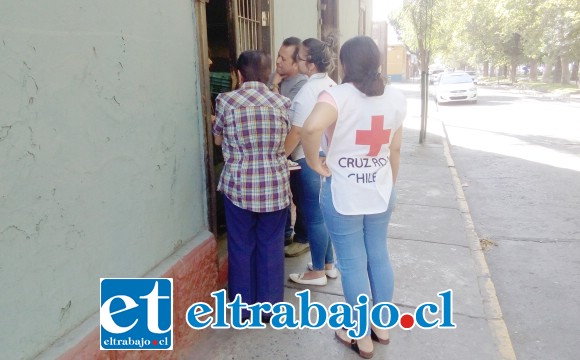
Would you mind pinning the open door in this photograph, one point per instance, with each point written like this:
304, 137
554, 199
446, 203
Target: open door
226, 28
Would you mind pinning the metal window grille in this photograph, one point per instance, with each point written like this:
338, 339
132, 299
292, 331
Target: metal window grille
248, 25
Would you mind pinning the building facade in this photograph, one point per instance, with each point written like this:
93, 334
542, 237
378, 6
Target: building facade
396, 61
108, 166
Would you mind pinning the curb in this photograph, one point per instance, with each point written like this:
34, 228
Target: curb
491, 305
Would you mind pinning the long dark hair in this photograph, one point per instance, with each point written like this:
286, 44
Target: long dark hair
320, 53
254, 66
361, 58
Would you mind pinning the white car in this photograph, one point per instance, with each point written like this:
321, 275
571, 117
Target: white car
457, 86
434, 76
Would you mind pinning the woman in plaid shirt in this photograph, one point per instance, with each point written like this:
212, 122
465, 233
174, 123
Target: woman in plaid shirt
251, 125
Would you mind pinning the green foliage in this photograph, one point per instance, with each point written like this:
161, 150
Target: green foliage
501, 32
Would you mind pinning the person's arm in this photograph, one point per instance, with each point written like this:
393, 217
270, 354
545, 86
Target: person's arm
298, 115
292, 139
218, 139
395, 146
274, 83
218, 122
323, 115
395, 157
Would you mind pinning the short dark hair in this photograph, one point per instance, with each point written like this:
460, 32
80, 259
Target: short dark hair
254, 65
320, 53
361, 59
292, 41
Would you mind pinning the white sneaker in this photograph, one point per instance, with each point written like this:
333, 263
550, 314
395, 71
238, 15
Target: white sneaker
299, 278
332, 273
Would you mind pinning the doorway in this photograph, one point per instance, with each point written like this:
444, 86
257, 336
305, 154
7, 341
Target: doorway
226, 28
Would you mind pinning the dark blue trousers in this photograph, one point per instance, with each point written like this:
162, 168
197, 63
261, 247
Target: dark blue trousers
255, 254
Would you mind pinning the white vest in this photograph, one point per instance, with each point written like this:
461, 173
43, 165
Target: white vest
358, 154
305, 101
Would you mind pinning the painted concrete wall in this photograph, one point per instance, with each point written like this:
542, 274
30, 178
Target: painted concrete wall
293, 18
349, 22
101, 160
300, 18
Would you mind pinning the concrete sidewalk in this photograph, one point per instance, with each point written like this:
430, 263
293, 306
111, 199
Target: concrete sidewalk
433, 248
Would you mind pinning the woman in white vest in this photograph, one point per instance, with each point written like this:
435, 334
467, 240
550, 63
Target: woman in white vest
314, 59
361, 122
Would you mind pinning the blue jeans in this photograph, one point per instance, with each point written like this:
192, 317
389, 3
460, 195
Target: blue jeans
308, 201
300, 235
360, 242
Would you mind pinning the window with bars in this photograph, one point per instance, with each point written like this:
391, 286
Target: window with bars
248, 25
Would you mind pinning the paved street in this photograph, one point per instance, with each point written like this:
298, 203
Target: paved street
518, 156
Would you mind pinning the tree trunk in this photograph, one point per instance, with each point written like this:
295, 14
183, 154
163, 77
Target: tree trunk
486, 69
565, 70
513, 72
547, 76
505, 70
534, 70
574, 76
557, 74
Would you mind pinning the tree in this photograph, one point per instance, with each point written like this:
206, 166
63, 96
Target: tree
414, 24
560, 23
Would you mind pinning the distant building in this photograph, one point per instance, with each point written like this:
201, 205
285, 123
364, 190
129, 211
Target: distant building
397, 64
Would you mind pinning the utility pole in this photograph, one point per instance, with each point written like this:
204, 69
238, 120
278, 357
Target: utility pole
425, 46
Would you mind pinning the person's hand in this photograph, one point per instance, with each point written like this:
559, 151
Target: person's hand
321, 168
277, 79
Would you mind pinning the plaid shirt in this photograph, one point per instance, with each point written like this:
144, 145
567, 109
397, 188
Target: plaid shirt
254, 123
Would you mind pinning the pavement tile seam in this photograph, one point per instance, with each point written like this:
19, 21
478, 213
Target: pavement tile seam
425, 205
421, 181
430, 242
487, 290
412, 308
534, 240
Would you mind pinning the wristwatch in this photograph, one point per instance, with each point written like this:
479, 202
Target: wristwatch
273, 87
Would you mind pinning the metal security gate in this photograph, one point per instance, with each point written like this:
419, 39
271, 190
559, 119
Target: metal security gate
248, 25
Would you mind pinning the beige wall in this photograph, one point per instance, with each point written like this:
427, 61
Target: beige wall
293, 18
349, 23
300, 18
102, 171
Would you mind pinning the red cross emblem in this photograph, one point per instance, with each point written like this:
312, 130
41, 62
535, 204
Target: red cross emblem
375, 137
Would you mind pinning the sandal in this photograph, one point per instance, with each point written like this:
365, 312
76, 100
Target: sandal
354, 346
376, 338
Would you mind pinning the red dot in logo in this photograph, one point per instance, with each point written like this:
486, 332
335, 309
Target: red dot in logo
407, 321
154, 342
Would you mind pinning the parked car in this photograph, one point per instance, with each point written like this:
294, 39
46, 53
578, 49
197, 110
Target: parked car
473, 75
434, 76
457, 86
